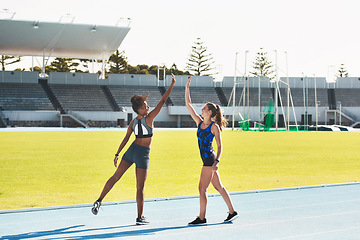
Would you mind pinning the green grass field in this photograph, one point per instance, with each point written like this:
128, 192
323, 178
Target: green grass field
41, 169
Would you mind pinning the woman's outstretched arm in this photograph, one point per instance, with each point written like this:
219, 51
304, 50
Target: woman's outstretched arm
162, 101
124, 142
190, 108
215, 129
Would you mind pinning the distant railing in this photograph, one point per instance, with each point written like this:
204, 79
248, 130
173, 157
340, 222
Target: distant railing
3, 118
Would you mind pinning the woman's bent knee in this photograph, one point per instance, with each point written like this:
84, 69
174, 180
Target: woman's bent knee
219, 188
202, 189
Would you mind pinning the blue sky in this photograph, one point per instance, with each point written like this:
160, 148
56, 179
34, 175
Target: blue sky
316, 34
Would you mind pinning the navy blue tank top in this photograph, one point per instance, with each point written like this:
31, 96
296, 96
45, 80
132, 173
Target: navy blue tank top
205, 139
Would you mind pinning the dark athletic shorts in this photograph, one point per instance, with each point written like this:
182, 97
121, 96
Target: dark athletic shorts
137, 154
209, 161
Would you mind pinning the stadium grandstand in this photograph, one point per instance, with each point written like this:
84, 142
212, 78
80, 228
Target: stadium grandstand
27, 100
85, 99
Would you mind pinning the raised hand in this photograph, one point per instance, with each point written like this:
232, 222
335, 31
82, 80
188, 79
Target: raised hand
173, 78
188, 82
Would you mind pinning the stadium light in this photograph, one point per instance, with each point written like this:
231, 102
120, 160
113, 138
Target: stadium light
36, 25
68, 18
123, 22
6, 14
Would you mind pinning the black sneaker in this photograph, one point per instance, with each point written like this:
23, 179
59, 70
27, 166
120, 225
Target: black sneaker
198, 221
231, 217
141, 221
96, 207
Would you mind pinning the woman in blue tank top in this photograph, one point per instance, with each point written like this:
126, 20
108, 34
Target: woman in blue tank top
207, 130
138, 152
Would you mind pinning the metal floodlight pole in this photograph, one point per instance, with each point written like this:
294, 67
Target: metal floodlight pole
43, 64
288, 92
316, 105
164, 74
276, 92
259, 102
45, 61
32, 63
158, 74
234, 89
303, 79
307, 102
305, 98
248, 83
245, 61
102, 76
339, 113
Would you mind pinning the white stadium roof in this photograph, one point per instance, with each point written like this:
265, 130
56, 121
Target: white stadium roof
34, 38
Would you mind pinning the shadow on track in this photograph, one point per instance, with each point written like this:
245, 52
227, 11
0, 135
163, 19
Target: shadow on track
91, 233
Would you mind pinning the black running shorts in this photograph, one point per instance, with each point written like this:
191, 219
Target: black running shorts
209, 161
137, 154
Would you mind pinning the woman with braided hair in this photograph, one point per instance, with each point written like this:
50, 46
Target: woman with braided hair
207, 130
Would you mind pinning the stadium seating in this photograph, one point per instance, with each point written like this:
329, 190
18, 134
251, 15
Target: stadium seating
23, 96
199, 95
349, 97
27, 96
298, 97
123, 94
81, 97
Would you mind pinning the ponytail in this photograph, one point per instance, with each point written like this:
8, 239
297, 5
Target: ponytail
216, 113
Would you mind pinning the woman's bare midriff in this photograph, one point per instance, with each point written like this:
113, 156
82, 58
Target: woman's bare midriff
145, 142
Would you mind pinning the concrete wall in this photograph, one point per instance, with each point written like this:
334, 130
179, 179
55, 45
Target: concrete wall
300, 82
99, 116
132, 80
151, 80
348, 82
173, 114
54, 115
228, 81
19, 77
196, 81
31, 115
73, 78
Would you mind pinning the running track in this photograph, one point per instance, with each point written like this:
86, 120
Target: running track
314, 212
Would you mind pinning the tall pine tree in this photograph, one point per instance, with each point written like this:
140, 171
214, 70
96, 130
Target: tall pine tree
262, 65
7, 60
200, 61
62, 65
342, 72
118, 63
